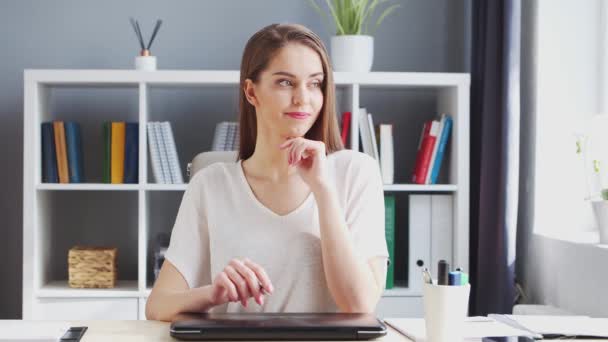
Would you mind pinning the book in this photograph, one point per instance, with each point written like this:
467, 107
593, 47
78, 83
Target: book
443, 141
441, 122
389, 230
346, 117
131, 172
441, 230
74, 151
174, 166
372, 137
419, 240
366, 143
162, 152
107, 151
226, 137
425, 130
219, 136
117, 156
49, 157
157, 171
424, 153
386, 153
60, 149
231, 146
237, 137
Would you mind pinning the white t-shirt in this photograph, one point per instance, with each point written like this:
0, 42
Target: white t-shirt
220, 219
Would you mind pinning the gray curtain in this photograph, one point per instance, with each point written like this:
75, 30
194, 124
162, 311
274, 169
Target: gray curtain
495, 122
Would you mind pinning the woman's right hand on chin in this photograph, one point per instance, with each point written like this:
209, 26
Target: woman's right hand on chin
240, 280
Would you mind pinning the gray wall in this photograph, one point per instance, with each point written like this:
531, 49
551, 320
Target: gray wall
423, 35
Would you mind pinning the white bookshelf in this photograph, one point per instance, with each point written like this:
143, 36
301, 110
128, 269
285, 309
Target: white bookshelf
45, 297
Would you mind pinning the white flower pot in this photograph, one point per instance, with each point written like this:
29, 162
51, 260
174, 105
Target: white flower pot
600, 208
146, 63
352, 53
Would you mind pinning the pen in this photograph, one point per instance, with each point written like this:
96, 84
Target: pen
426, 275
442, 272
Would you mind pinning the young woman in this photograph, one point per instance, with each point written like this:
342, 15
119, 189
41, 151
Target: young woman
296, 224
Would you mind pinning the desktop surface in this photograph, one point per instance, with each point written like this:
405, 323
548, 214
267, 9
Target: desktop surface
152, 331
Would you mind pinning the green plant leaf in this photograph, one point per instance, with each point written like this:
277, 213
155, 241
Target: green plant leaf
386, 12
322, 13
339, 29
605, 194
351, 17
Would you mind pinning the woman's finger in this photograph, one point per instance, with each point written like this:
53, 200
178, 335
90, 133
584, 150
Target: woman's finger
261, 274
251, 279
298, 148
286, 143
290, 158
227, 284
298, 152
240, 283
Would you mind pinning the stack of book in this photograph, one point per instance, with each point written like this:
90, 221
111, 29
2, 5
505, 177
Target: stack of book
163, 153
226, 136
376, 141
389, 231
62, 152
121, 152
431, 148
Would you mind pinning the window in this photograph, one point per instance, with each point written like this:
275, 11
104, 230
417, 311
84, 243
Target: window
571, 83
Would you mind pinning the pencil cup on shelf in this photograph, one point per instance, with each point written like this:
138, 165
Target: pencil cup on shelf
445, 309
145, 60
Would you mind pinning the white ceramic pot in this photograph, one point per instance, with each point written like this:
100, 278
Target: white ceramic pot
352, 53
600, 208
147, 63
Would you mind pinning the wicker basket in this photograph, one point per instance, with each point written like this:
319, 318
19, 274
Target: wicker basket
92, 267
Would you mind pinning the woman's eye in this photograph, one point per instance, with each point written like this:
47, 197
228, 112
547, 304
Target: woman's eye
316, 84
285, 82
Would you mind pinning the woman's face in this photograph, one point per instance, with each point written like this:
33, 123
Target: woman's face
288, 96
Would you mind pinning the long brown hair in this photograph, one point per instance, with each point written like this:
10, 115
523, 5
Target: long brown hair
259, 50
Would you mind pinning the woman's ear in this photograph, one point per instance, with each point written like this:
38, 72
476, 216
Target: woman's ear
249, 91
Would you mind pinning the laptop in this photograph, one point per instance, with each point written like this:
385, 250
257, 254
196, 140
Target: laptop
277, 326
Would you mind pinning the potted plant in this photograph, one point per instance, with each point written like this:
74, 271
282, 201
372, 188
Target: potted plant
600, 209
596, 194
352, 48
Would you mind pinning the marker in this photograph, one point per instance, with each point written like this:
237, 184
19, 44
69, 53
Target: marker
455, 278
442, 272
464, 279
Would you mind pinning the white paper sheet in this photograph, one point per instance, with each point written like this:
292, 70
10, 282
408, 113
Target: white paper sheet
474, 328
32, 331
564, 325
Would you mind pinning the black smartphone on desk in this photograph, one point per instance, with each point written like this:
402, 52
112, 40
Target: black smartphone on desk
508, 339
74, 334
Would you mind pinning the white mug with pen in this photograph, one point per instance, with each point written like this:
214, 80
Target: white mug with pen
445, 303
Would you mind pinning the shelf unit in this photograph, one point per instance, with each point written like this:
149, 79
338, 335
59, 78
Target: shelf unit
46, 297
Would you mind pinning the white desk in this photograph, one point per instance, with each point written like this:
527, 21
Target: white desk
152, 331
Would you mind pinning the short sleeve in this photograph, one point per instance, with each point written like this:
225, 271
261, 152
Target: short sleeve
189, 246
365, 207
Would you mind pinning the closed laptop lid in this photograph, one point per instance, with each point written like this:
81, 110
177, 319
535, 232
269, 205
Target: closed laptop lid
278, 326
